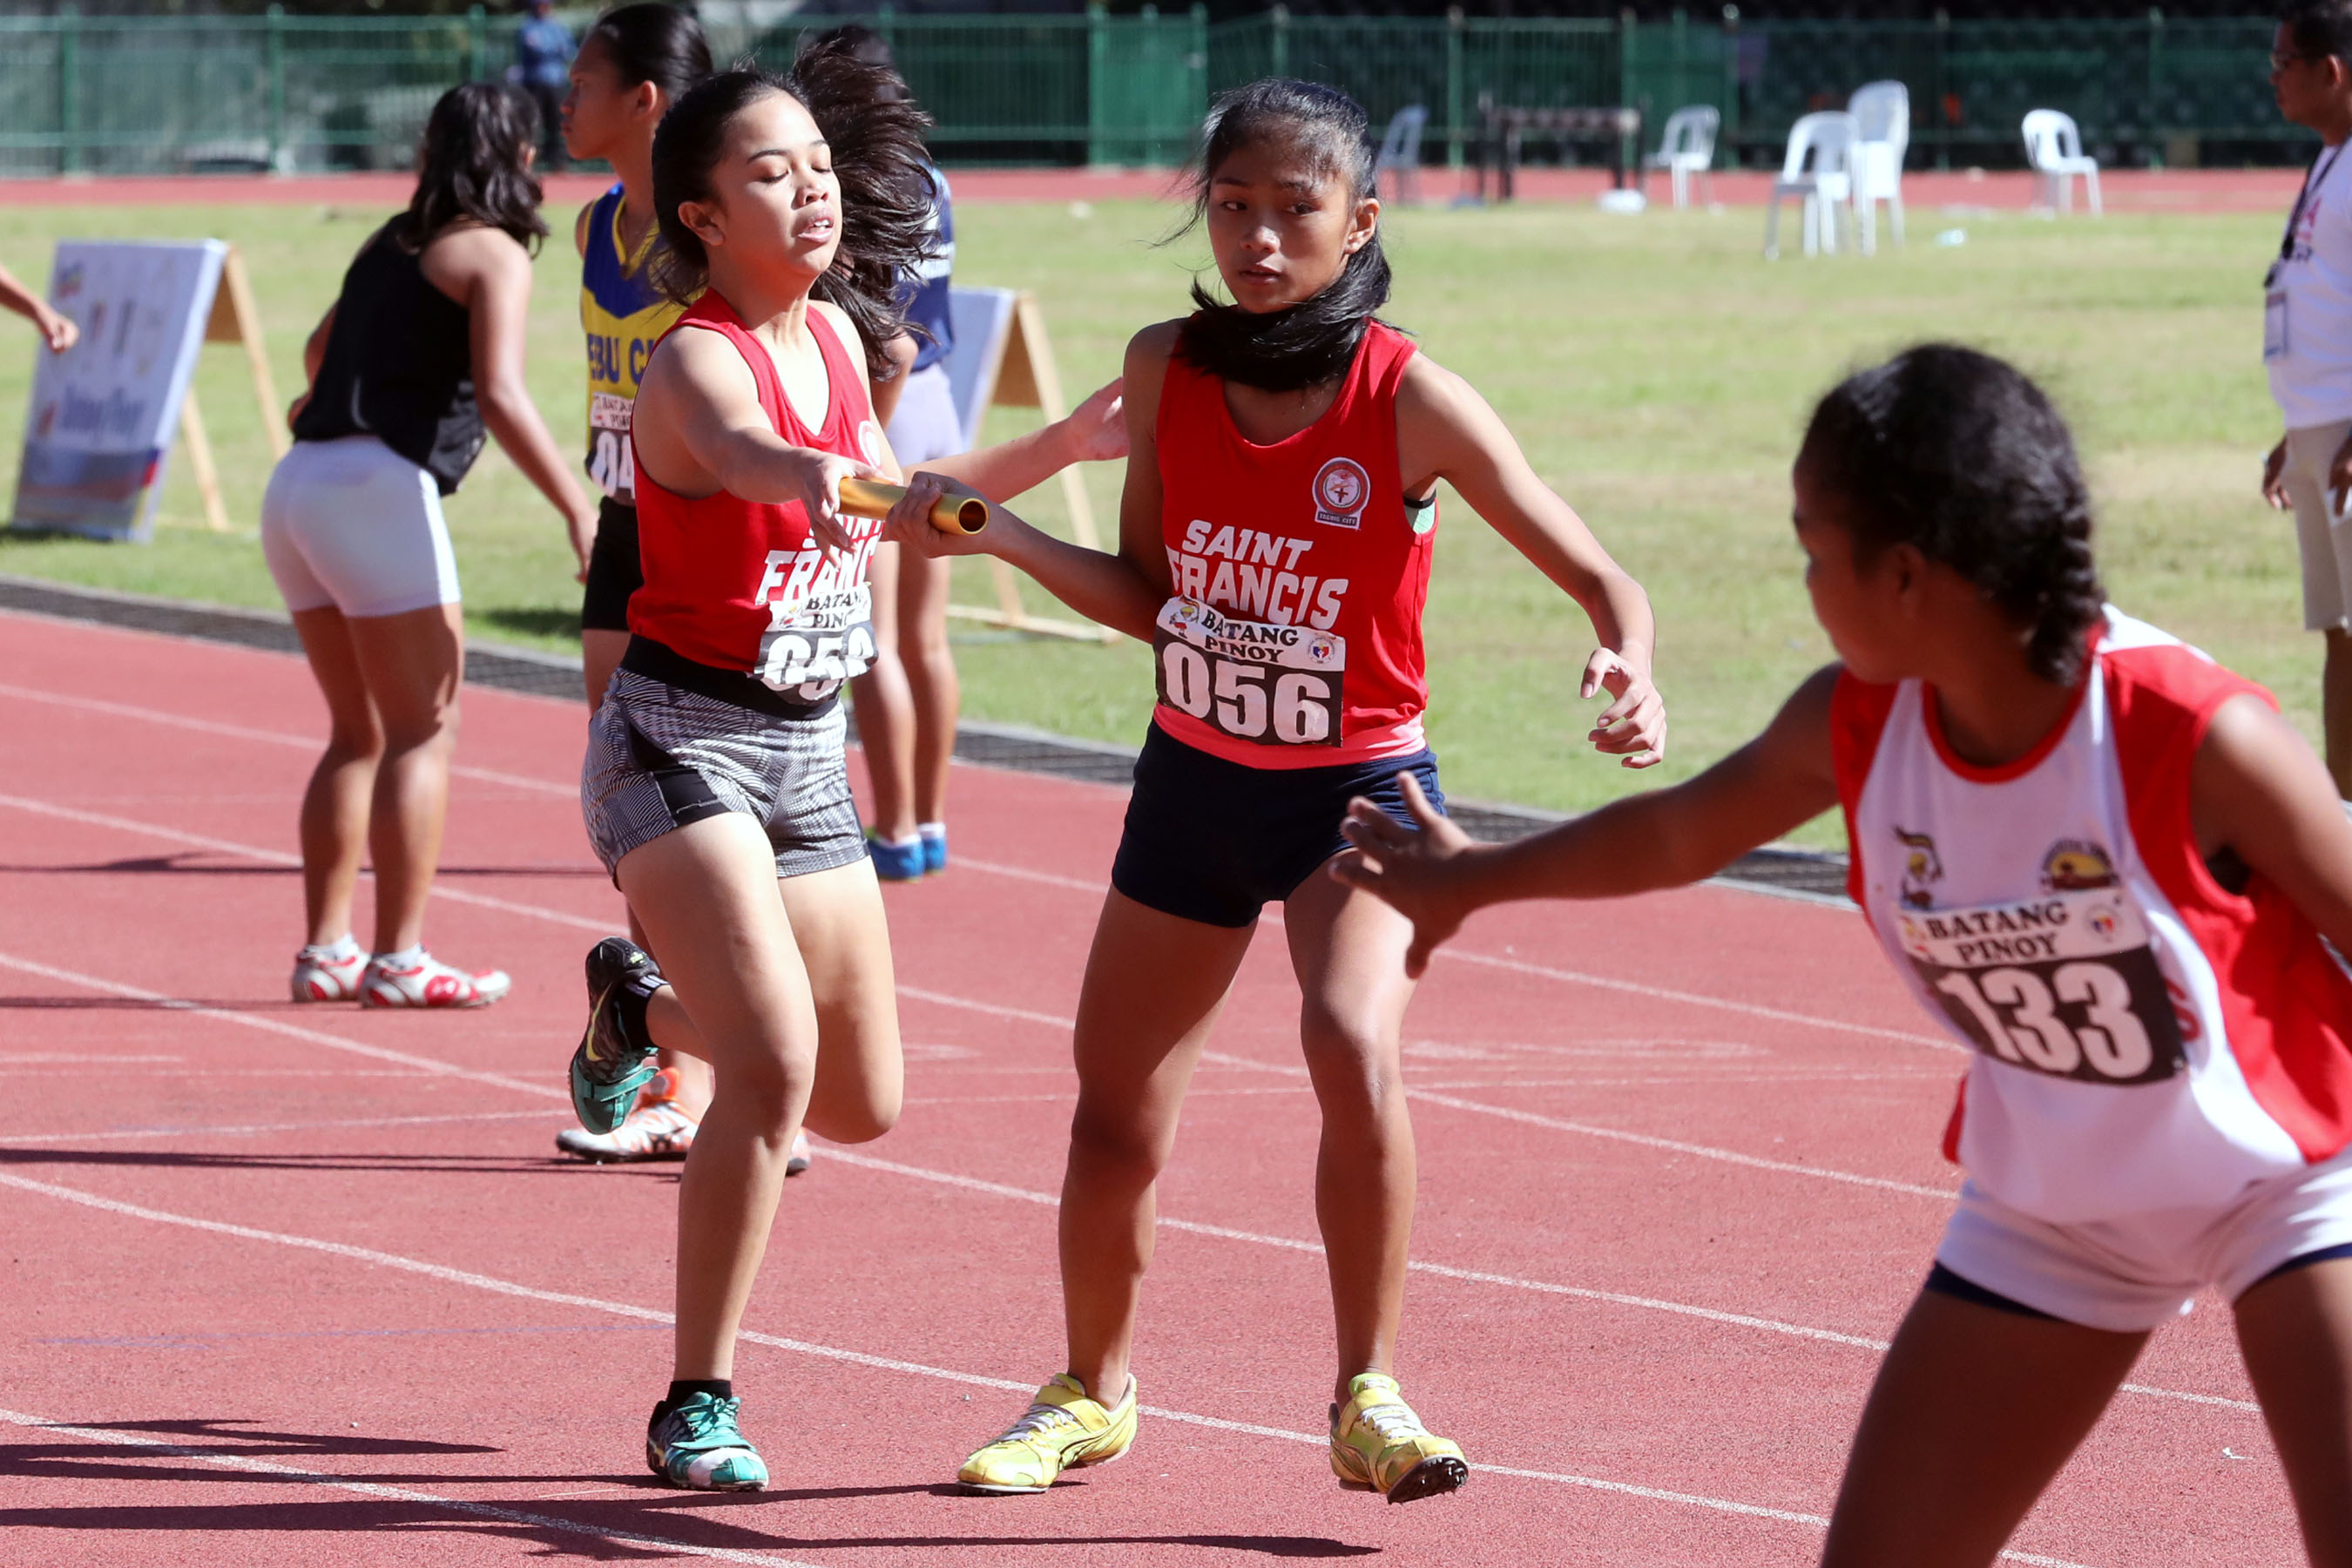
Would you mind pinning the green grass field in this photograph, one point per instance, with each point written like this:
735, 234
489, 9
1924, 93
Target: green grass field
1657, 370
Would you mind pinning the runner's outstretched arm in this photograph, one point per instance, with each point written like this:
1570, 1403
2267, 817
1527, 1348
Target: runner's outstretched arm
1437, 878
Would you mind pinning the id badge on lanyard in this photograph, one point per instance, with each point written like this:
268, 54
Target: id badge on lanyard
2274, 322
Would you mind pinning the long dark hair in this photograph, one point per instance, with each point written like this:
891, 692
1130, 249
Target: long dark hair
1315, 340
876, 137
655, 43
473, 164
1959, 454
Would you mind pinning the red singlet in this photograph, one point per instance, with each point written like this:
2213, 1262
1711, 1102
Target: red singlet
1294, 639
740, 586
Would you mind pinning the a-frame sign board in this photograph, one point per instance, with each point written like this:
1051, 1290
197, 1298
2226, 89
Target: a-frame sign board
235, 319
1002, 357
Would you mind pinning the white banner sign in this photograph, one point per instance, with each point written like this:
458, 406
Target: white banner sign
103, 411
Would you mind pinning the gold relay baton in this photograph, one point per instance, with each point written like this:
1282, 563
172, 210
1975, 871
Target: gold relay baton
952, 513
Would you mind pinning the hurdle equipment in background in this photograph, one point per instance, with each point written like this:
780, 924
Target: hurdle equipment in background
235, 319
1001, 357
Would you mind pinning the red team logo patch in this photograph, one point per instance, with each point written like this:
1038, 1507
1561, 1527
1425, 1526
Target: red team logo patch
1341, 491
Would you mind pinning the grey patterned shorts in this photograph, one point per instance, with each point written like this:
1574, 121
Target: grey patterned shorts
660, 757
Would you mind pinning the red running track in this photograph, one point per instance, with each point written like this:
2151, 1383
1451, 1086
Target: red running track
299, 1285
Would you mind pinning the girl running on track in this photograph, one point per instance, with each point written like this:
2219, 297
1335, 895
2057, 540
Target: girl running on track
422, 348
716, 787
635, 63
1274, 546
2107, 866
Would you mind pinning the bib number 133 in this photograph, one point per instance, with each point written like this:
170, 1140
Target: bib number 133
1275, 686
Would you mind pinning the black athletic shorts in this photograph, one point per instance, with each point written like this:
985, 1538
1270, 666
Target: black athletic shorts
1214, 841
614, 572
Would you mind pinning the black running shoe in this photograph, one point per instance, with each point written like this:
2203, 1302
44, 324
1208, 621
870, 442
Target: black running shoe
611, 1064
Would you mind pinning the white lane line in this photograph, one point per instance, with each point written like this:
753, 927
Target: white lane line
273, 1026
279, 858
1045, 879
15, 1140
267, 737
250, 1466
885, 1363
1672, 1145
1468, 1276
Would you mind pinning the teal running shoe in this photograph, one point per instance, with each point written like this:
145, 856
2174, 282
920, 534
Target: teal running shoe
935, 849
895, 862
698, 1445
611, 1064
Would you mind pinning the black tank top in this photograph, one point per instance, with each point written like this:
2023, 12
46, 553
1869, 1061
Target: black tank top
399, 366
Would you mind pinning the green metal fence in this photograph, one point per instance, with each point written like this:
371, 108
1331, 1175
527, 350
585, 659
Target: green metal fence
126, 95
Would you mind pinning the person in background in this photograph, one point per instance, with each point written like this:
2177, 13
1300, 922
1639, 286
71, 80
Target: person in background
421, 348
908, 703
543, 69
58, 332
2307, 347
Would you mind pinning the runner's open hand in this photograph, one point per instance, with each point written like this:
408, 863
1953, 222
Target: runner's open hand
1096, 428
2275, 476
1416, 870
1634, 727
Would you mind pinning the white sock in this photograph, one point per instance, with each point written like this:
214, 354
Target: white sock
406, 958
342, 950
931, 830
896, 843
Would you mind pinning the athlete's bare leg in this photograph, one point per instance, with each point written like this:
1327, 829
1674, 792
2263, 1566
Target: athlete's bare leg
886, 712
930, 663
1348, 948
2295, 1332
1975, 1409
785, 989
391, 684
334, 820
1153, 987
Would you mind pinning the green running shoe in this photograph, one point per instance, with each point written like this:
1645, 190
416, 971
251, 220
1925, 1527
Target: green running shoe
698, 1445
611, 1064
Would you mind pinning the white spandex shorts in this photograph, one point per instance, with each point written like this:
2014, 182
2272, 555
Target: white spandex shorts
353, 524
925, 428
2129, 1275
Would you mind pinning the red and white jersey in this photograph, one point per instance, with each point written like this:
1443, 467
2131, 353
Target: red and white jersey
2146, 1039
1294, 636
742, 585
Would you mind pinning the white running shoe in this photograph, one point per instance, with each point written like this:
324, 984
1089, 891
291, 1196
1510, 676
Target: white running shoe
321, 977
429, 983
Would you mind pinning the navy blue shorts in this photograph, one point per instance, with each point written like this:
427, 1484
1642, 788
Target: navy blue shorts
1214, 841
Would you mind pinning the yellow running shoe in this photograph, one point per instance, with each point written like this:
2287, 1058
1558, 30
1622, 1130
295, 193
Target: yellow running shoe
1061, 1431
1377, 1443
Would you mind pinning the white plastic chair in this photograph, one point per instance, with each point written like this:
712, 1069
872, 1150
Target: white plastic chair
2054, 150
1687, 148
1818, 168
1882, 114
1400, 152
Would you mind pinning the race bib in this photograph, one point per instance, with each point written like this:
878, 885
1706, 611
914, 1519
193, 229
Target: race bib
611, 463
1274, 685
2274, 325
2065, 984
820, 619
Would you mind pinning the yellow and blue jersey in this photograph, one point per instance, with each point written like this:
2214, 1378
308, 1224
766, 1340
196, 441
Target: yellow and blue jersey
624, 315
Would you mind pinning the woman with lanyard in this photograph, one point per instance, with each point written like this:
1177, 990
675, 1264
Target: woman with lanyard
2308, 348
422, 348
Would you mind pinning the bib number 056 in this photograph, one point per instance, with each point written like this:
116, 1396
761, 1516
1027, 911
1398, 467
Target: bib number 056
1251, 701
